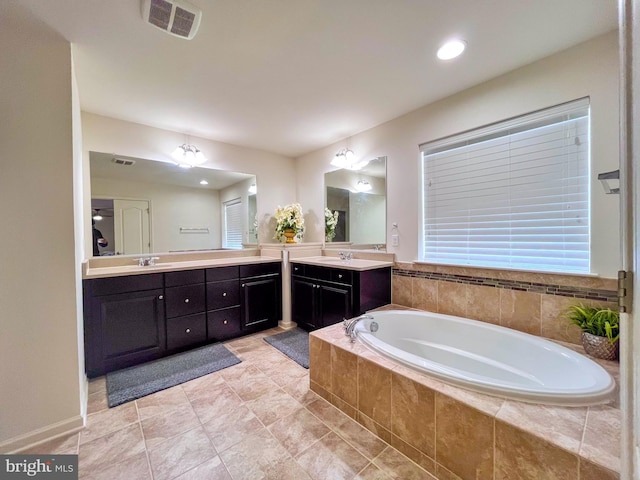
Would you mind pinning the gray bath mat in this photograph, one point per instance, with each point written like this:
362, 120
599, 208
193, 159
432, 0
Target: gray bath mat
136, 382
293, 343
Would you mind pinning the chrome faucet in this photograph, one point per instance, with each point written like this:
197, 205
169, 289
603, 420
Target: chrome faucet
350, 325
147, 261
345, 256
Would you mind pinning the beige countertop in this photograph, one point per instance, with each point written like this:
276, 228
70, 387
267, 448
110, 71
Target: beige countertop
358, 264
170, 266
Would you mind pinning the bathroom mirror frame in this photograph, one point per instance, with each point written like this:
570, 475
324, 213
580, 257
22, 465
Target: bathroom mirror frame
363, 215
183, 215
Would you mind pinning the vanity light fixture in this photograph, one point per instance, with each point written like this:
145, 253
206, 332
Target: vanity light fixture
346, 159
188, 156
253, 189
451, 49
204, 182
97, 217
363, 186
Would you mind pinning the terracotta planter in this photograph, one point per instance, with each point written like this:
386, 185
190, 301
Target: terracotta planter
290, 235
599, 347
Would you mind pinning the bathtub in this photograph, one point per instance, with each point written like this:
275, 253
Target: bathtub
487, 358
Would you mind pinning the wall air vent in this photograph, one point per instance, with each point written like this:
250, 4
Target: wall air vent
125, 162
176, 17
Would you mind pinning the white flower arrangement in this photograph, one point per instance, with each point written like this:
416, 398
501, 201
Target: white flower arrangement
289, 217
330, 223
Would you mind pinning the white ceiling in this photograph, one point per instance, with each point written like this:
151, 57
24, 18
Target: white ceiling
291, 76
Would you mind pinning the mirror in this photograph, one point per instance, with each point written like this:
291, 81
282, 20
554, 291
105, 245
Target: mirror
146, 206
359, 197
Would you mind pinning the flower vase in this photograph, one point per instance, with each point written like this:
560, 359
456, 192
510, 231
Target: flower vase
290, 235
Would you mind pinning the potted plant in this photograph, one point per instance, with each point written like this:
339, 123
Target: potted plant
600, 330
330, 223
289, 223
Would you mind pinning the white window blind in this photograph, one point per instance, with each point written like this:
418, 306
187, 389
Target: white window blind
233, 224
512, 195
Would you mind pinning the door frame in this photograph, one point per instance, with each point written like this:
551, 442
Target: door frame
148, 200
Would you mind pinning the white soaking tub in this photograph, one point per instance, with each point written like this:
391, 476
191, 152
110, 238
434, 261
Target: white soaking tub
487, 358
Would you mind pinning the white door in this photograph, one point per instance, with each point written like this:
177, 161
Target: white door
131, 226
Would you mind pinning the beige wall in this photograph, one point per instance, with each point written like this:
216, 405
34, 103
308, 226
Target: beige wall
39, 380
275, 174
589, 69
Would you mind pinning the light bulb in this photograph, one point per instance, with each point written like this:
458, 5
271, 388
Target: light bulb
451, 49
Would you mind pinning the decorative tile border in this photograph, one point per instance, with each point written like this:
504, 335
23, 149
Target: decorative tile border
543, 288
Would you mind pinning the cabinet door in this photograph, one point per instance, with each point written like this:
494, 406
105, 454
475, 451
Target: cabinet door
186, 331
185, 300
260, 302
130, 330
224, 323
304, 294
335, 304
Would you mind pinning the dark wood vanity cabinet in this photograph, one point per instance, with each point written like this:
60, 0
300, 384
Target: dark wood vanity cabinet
322, 296
260, 296
136, 318
124, 322
185, 309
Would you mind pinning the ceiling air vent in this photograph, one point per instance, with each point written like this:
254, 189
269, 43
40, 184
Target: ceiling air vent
176, 17
123, 161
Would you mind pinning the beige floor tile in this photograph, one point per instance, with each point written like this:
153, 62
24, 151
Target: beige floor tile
218, 402
212, 469
299, 389
371, 472
136, 467
331, 458
107, 421
110, 449
326, 412
179, 455
65, 445
231, 426
97, 402
169, 424
257, 454
161, 402
399, 467
273, 405
360, 438
298, 431
97, 385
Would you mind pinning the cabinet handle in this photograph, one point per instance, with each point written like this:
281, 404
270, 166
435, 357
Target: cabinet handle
224, 294
188, 330
243, 285
160, 297
339, 275
225, 322
186, 300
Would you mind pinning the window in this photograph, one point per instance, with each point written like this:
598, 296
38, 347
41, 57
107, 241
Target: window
232, 235
511, 195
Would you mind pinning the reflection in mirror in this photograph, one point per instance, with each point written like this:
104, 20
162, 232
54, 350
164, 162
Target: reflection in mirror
359, 197
146, 206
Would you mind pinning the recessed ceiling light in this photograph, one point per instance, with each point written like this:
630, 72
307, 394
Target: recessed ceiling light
451, 49
204, 182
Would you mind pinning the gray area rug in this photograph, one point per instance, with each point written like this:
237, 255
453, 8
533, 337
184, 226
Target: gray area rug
136, 382
293, 343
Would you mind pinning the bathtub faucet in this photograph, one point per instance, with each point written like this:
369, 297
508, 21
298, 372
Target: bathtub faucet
350, 326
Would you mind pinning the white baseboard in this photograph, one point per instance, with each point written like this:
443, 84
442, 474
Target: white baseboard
45, 434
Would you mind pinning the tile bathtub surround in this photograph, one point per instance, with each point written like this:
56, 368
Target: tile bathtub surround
255, 420
534, 303
455, 433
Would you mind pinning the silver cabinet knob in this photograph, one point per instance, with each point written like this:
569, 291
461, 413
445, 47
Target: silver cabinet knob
339, 275
225, 322
224, 294
186, 300
188, 330
243, 285
160, 297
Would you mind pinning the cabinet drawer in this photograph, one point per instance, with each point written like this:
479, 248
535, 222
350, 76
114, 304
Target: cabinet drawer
184, 300
223, 294
223, 324
183, 277
297, 268
222, 273
341, 276
317, 273
185, 331
129, 283
258, 269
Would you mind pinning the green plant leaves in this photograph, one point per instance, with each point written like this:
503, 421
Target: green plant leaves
602, 322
